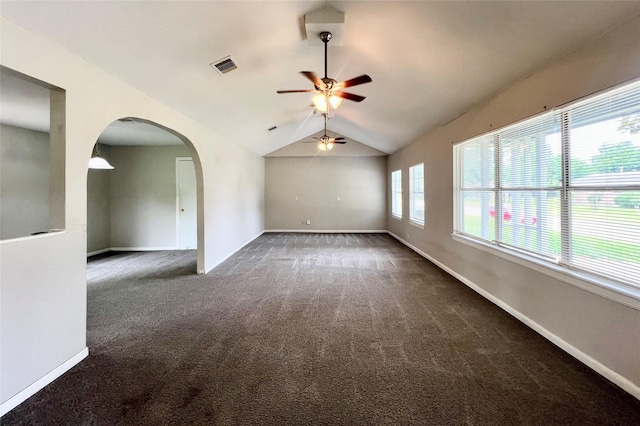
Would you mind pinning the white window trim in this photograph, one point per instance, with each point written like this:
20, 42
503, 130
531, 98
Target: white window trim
416, 224
611, 290
393, 193
412, 221
619, 292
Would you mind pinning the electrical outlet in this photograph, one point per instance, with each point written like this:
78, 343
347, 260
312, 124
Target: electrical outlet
308, 222
407, 235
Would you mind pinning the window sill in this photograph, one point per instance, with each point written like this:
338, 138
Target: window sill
416, 224
396, 217
618, 292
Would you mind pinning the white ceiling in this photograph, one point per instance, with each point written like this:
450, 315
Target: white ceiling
429, 61
307, 148
25, 103
137, 133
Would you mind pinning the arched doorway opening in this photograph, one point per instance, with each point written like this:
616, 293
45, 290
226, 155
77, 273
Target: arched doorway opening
152, 198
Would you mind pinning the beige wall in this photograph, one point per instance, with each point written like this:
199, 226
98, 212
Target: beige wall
143, 196
602, 332
134, 205
43, 278
334, 193
99, 206
24, 182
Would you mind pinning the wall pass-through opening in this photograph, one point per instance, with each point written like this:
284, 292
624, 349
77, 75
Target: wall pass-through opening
32, 156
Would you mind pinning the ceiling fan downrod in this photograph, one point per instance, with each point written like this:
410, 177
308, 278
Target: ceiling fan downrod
325, 36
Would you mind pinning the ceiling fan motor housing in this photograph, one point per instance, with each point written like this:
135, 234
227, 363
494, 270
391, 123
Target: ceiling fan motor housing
325, 36
325, 19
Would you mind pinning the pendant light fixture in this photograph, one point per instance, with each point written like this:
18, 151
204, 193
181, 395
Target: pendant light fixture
97, 162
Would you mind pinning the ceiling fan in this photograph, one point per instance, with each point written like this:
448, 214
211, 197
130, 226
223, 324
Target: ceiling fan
329, 90
326, 142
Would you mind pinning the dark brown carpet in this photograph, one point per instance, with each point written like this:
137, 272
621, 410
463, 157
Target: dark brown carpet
335, 329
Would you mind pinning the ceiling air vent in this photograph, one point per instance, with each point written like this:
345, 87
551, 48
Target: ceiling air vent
224, 65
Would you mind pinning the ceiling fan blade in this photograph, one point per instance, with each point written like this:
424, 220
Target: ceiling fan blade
355, 81
350, 96
340, 142
294, 91
339, 139
314, 78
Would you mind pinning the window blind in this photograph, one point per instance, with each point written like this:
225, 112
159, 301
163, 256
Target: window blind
564, 186
529, 165
603, 193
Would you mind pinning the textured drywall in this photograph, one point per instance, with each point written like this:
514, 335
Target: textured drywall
24, 182
604, 330
99, 206
43, 305
332, 193
143, 195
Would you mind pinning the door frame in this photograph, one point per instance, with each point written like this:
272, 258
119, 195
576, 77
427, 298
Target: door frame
178, 160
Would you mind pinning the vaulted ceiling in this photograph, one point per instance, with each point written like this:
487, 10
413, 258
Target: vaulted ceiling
429, 61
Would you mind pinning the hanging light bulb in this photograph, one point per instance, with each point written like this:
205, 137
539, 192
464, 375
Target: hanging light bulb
97, 162
330, 145
321, 104
320, 101
322, 146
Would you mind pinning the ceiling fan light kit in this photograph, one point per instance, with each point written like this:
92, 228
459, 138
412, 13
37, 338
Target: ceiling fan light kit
329, 93
324, 103
325, 146
326, 142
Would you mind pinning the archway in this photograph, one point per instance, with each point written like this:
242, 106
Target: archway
140, 205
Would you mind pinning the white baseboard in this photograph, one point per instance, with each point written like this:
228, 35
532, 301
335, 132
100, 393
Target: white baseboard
33, 388
595, 365
94, 253
143, 248
329, 231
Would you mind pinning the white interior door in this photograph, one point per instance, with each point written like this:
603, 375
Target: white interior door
186, 203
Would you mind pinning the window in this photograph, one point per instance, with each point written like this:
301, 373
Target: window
563, 187
416, 194
396, 194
